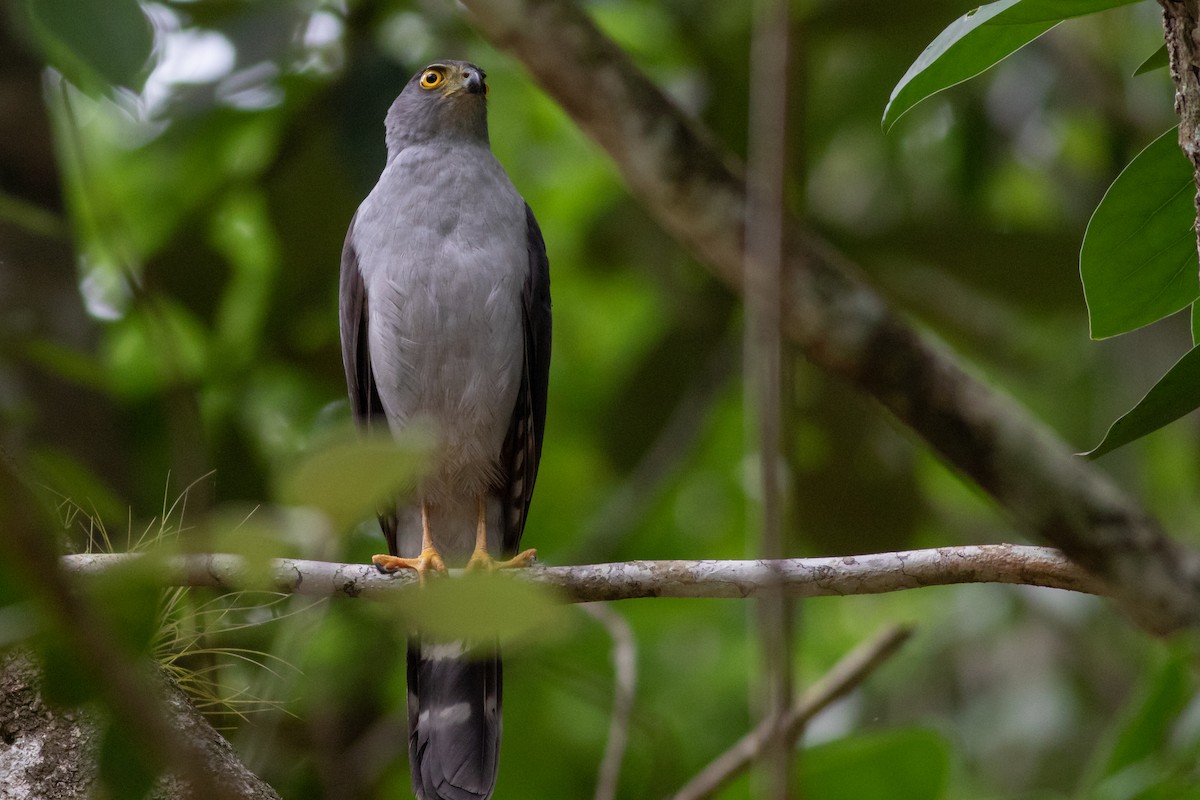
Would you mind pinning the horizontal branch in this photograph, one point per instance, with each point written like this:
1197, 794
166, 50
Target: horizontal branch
697, 192
801, 577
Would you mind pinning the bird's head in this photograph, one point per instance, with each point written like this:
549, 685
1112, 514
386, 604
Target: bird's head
445, 99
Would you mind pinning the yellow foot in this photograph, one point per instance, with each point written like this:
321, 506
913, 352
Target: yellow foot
429, 560
481, 561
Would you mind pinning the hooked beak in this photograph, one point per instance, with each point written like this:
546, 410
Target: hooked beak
474, 83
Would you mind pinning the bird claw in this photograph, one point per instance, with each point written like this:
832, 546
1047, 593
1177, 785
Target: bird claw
481, 561
430, 560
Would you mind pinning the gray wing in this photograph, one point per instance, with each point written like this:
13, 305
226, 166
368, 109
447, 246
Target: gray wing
356, 360
356, 351
523, 444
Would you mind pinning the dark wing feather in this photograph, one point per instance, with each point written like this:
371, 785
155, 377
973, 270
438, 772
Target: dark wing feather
356, 351
523, 444
356, 359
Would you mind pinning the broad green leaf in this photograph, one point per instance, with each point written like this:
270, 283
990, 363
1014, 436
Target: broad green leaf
1138, 260
1195, 324
978, 40
480, 607
1157, 60
913, 764
355, 477
109, 41
1175, 394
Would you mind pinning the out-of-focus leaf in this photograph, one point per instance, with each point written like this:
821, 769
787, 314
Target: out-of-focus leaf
480, 607
1138, 260
128, 597
1146, 758
86, 40
65, 362
1152, 715
1159, 59
125, 768
243, 233
912, 764
150, 350
1175, 394
65, 682
355, 477
77, 490
256, 540
18, 622
979, 39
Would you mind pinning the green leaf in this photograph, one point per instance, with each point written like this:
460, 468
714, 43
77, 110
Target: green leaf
1151, 716
65, 681
1138, 260
1159, 59
109, 41
978, 40
126, 769
1195, 324
257, 538
480, 607
356, 476
1175, 394
913, 764
1146, 752
127, 598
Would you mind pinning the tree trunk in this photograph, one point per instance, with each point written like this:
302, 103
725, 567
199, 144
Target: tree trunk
50, 753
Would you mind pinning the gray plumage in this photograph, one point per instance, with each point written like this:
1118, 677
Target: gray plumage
445, 318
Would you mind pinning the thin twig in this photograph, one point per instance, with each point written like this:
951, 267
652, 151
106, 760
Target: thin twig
624, 656
763, 349
800, 577
845, 676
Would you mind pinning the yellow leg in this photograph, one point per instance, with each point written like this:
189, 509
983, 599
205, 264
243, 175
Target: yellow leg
430, 558
481, 559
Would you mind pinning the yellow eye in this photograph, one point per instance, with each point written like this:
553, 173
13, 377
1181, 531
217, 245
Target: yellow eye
433, 78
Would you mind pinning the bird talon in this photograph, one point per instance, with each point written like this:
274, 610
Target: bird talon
430, 560
481, 561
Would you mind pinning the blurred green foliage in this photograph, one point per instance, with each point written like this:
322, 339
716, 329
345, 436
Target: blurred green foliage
168, 285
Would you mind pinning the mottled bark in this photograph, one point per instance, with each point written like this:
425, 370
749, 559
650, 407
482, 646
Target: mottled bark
697, 192
1183, 45
49, 753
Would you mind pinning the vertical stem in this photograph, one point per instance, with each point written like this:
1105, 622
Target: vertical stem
764, 359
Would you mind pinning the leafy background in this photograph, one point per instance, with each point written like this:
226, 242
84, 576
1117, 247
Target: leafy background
173, 197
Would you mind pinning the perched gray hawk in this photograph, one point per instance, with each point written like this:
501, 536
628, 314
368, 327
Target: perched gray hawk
445, 318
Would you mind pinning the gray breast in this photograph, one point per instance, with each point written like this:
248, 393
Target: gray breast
441, 247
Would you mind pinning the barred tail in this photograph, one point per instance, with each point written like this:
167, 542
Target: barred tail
453, 720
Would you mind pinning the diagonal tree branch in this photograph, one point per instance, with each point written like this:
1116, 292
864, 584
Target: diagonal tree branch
800, 577
697, 192
845, 676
